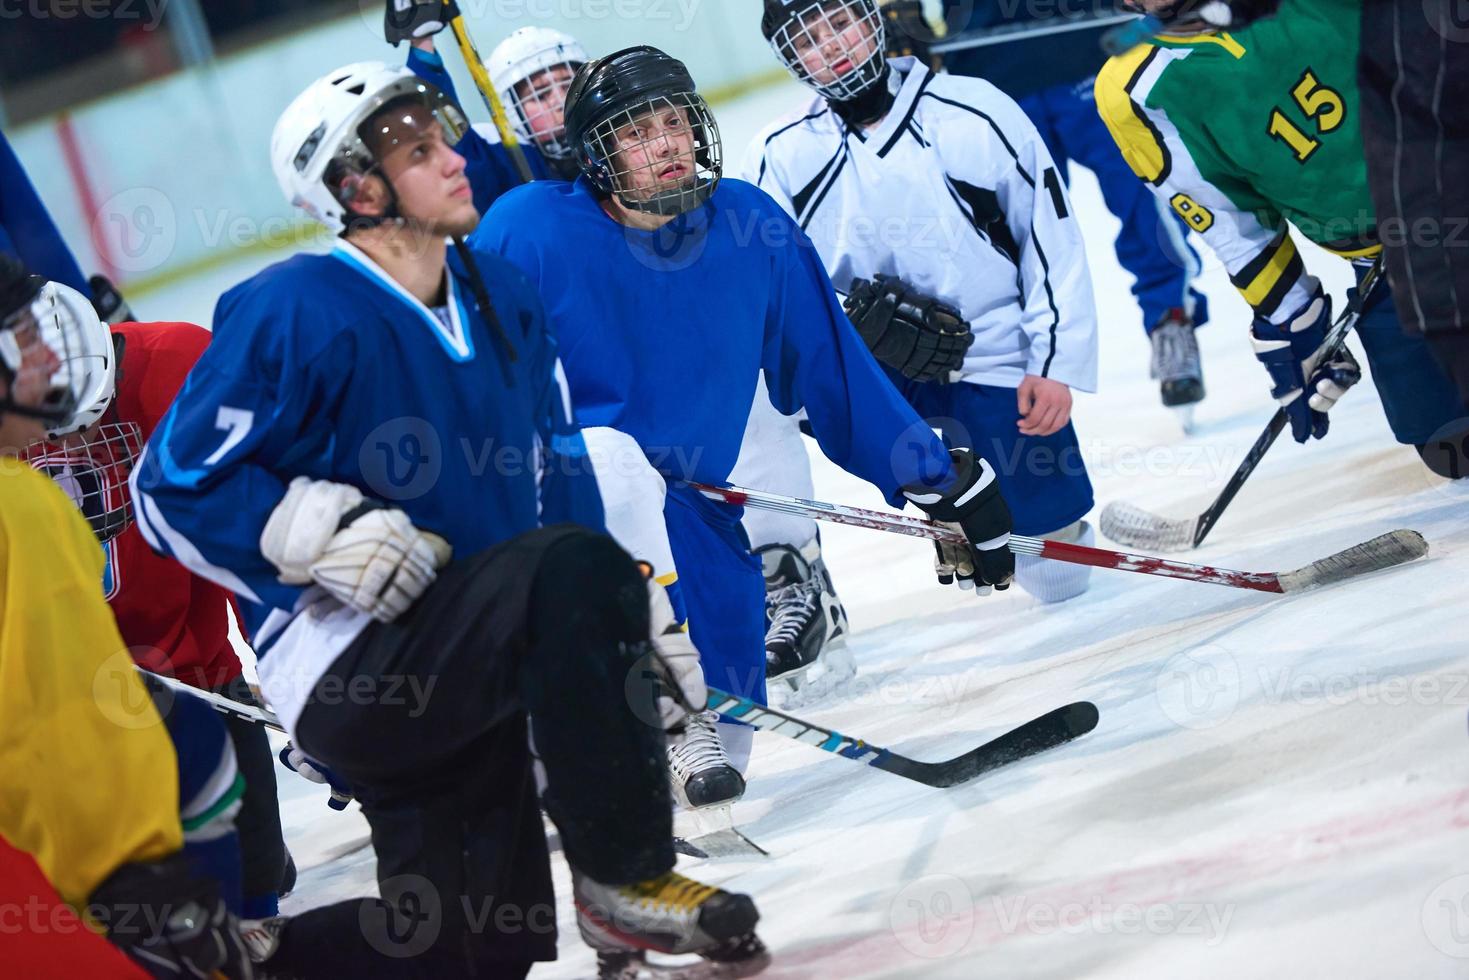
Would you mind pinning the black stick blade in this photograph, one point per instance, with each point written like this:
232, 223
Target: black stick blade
1037, 735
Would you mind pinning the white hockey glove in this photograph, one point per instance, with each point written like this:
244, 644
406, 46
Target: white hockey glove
369, 556
676, 660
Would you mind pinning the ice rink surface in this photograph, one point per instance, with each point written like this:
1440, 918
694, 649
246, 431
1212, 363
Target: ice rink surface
1279, 786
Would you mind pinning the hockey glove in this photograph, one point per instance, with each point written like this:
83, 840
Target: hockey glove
308, 768
171, 922
1289, 352
409, 20
676, 662
108, 302
972, 505
369, 556
919, 337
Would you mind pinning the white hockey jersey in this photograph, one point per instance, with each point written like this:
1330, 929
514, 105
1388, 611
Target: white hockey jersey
955, 193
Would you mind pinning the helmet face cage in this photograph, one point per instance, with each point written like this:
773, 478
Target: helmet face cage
93, 467
836, 47
44, 337
538, 94
361, 153
662, 156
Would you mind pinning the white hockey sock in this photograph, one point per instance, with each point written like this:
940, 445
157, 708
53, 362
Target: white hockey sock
1056, 581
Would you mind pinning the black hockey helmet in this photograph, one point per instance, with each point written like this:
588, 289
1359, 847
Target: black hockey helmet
1218, 15
608, 95
842, 32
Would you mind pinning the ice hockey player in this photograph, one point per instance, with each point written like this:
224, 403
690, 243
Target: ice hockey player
934, 204
1051, 78
358, 418
531, 71
74, 711
1242, 132
173, 621
648, 238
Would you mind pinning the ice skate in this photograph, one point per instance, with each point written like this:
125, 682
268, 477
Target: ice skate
670, 914
1176, 365
699, 767
262, 937
806, 619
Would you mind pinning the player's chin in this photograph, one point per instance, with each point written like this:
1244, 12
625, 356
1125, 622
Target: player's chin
458, 222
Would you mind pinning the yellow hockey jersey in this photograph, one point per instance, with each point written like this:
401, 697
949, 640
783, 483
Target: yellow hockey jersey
88, 775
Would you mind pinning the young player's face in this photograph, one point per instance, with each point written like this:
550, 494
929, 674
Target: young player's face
543, 101
833, 41
655, 153
426, 174
32, 381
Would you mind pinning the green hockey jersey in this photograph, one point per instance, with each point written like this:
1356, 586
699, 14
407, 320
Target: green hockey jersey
1240, 132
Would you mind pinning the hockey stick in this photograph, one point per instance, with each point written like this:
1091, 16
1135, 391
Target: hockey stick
1384, 551
220, 703
1048, 731
1037, 735
1137, 528
482, 82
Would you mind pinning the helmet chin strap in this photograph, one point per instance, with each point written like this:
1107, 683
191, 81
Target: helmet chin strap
868, 106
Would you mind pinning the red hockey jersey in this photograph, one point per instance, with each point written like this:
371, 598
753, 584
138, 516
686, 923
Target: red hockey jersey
172, 620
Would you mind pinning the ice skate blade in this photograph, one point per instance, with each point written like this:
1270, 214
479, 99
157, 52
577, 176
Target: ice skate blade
1185, 416
744, 957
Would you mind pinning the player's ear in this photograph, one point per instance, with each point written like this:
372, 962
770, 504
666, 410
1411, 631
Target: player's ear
365, 194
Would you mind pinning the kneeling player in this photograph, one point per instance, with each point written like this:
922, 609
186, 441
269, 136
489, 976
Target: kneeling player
933, 202
629, 258
358, 416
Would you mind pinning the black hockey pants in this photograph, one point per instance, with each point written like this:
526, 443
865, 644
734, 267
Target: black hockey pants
426, 718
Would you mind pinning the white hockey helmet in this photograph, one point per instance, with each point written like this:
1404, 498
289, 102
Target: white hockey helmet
317, 144
527, 53
68, 322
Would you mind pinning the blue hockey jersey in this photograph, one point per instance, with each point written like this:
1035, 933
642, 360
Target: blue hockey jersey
323, 366
665, 333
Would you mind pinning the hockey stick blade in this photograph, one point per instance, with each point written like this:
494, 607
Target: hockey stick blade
1137, 528
1383, 551
1037, 735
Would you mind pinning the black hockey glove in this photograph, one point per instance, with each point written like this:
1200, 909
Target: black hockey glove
409, 20
919, 337
108, 302
170, 921
973, 505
